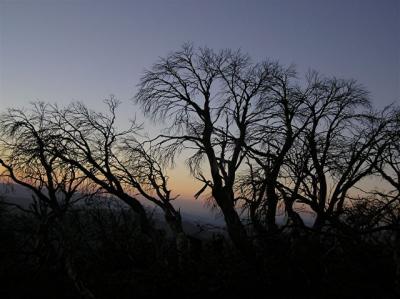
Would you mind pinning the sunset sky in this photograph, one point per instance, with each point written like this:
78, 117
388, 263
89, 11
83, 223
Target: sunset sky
63, 50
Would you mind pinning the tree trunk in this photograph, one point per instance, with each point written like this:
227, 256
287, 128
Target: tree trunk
293, 215
138, 208
272, 202
174, 222
319, 220
258, 228
236, 230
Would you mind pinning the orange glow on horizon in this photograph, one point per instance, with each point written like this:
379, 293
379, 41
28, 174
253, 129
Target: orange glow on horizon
182, 183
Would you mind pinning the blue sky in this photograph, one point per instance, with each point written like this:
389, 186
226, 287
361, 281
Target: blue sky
68, 49
65, 50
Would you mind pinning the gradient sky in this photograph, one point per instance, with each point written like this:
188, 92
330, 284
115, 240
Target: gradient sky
65, 50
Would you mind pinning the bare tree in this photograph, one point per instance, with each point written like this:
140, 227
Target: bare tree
115, 160
214, 101
316, 143
26, 140
139, 168
282, 120
344, 141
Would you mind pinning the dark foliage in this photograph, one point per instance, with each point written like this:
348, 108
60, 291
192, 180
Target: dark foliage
114, 260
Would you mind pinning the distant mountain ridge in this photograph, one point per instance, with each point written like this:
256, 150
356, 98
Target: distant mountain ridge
193, 212
193, 222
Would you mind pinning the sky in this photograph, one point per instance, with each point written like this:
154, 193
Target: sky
63, 50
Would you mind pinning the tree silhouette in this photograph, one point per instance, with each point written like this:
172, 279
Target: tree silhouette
116, 161
212, 100
342, 143
282, 119
26, 143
